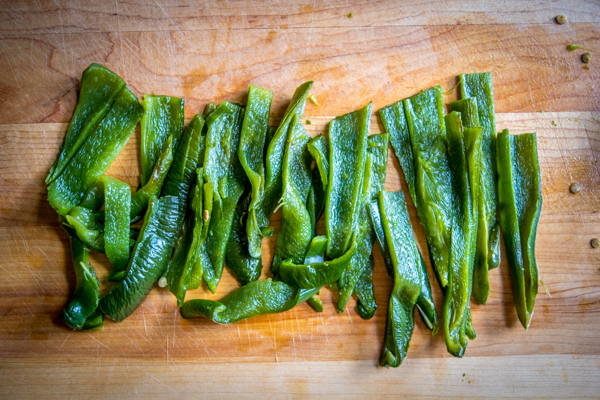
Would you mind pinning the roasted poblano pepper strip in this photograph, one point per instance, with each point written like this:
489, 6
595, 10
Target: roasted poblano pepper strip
314, 255
209, 109
256, 298
99, 89
140, 199
316, 275
433, 179
407, 275
520, 194
374, 179
320, 152
221, 168
473, 140
347, 158
251, 151
85, 300
296, 230
264, 206
425, 303
163, 116
148, 260
96, 154
480, 87
457, 324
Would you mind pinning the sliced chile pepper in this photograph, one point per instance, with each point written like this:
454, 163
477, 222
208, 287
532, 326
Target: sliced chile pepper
520, 194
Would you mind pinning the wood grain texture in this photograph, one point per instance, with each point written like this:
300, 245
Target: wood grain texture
212, 51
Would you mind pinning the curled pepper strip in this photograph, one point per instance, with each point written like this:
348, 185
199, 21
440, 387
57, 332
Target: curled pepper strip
273, 188
163, 117
347, 158
320, 152
96, 154
148, 260
80, 312
520, 190
99, 89
256, 298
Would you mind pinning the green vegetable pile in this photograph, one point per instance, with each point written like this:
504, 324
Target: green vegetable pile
207, 194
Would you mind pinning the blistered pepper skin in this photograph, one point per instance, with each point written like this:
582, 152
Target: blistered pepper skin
96, 154
99, 89
520, 190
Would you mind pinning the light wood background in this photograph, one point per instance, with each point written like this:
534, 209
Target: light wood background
211, 51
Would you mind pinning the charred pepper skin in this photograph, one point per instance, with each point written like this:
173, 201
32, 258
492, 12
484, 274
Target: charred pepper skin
163, 117
520, 190
96, 154
99, 89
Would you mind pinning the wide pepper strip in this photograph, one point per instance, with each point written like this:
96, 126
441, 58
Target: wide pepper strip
374, 179
406, 273
273, 188
457, 324
149, 258
480, 86
96, 154
347, 158
520, 194
223, 170
99, 89
163, 116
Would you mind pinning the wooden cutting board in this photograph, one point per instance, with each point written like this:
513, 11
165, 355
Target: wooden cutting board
386, 51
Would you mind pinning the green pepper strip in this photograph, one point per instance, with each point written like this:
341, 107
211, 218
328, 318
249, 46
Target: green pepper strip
433, 180
209, 109
256, 298
273, 187
407, 275
425, 303
140, 199
520, 189
296, 230
163, 116
315, 254
374, 179
316, 275
222, 168
480, 87
99, 89
84, 302
473, 140
462, 253
96, 154
148, 260
347, 158
320, 152
252, 151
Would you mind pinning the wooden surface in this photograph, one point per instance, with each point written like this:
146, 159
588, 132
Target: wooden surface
211, 52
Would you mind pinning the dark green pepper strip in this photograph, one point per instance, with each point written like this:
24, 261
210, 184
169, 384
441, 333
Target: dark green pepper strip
148, 260
425, 303
520, 190
480, 86
264, 206
254, 299
209, 109
87, 288
207, 198
314, 254
96, 154
99, 89
296, 230
374, 179
433, 180
245, 268
347, 158
366, 305
222, 168
316, 275
320, 152
407, 276
395, 124
462, 253
251, 151
163, 117
140, 199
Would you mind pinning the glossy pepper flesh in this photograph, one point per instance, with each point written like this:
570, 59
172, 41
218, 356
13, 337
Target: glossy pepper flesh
520, 189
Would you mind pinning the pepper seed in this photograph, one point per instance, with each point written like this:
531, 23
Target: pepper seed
575, 188
162, 282
205, 216
595, 243
561, 19
586, 57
